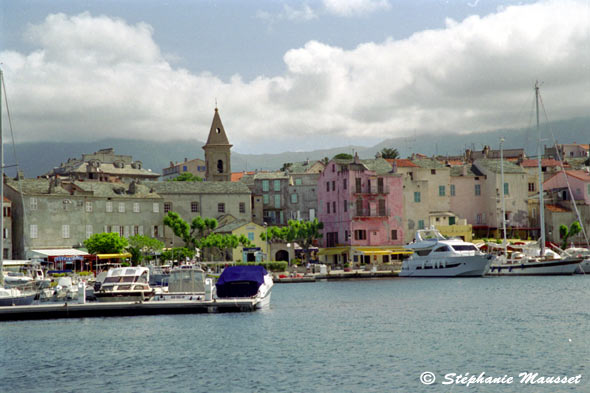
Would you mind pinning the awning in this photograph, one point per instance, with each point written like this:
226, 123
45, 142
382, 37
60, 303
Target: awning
381, 251
332, 250
112, 256
60, 252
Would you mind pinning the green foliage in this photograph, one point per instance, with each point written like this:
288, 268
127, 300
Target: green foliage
302, 232
82, 274
273, 266
286, 166
216, 243
343, 156
178, 254
178, 226
139, 245
105, 243
566, 233
186, 176
389, 153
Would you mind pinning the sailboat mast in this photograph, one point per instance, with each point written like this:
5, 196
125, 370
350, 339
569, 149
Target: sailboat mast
503, 199
541, 204
1, 186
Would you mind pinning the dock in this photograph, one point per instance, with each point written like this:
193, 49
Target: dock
337, 275
117, 309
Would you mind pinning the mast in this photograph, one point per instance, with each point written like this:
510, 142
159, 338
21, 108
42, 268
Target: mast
541, 205
1, 186
503, 199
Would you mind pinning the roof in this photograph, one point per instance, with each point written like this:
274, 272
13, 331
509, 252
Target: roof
232, 226
580, 175
54, 252
270, 175
116, 190
556, 209
495, 166
402, 162
533, 162
217, 134
471, 171
428, 163
237, 176
379, 165
306, 167
35, 187
197, 187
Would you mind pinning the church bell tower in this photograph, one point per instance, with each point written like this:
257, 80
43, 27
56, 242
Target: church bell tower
217, 152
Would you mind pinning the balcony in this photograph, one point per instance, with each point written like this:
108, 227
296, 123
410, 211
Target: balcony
370, 213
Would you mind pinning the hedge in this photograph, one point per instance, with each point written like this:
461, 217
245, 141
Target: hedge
280, 266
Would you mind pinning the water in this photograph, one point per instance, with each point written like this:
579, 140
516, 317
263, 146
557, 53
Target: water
347, 336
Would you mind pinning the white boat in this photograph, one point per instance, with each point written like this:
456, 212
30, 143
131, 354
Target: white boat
187, 282
125, 284
436, 256
245, 281
580, 252
16, 297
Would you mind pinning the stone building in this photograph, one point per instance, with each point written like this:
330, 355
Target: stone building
62, 214
217, 152
7, 228
204, 199
103, 165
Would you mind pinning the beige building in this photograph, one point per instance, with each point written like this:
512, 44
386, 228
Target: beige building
196, 167
250, 230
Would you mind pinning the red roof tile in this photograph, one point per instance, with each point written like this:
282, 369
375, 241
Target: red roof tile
579, 174
556, 209
531, 163
401, 162
237, 176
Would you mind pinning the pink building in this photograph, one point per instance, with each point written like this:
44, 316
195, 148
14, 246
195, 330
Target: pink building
579, 182
360, 203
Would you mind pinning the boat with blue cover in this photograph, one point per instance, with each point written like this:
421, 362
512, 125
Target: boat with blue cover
245, 281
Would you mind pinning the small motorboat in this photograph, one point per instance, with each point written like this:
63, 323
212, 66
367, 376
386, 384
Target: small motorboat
245, 281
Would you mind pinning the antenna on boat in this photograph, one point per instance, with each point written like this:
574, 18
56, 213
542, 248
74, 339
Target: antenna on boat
541, 204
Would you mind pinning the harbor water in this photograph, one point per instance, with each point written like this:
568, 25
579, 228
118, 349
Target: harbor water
343, 336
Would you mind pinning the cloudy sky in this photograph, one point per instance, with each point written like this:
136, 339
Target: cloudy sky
289, 75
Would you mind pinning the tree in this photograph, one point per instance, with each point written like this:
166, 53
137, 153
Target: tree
286, 166
217, 243
565, 234
140, 245
178, 254
105, 243
343, 156
302, 232
389, 153
186, 176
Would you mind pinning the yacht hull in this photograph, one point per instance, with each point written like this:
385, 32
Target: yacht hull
459, 266
537, 268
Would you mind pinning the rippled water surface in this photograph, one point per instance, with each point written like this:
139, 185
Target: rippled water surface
346, 336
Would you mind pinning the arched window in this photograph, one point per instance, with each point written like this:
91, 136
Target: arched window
219, 166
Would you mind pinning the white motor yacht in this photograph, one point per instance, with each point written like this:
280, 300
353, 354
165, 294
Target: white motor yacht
245, 281
125, 284
436, 256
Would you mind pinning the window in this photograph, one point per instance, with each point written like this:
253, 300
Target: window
345, 205
477, 189
359, 207
33, 203
358, 185
327, 186
126, 231
417, 196
89, 231
334, 207
277, 185
6, 211
531, 187
506, 189
6, 233
311, 214
265, 199
333, 185
381, 208
121, 207
277, 201
441, 190
433, 171
478, 218
420, 224
221, 208
242, 207
298, 181
156, 207
184, 168
135, 207
194, 207
65, 231
265, 187
328, 207
219, 166
333, 168
167, 207
294, 198
452, 190
107, 229
155, 231
394, 234
121, 230
34, 231
344, 184
360, 234
89, 207
251, 236
136, 229
109, 206
116, 229
346, 235
140, 231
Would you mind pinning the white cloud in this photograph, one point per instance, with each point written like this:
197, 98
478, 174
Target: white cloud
355, 7
95, 77
304, 14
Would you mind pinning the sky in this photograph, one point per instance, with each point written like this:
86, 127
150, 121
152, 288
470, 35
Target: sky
287, 75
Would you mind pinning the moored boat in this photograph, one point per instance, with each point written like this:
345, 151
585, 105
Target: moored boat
436, 256
125, 284
246, 281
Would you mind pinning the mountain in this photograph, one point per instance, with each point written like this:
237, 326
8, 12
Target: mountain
37, 158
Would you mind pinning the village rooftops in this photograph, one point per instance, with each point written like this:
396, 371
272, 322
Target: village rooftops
197, 187
378, 165
428, 163
545, 162
466, 170
401, 162
305, 167
57, 187
494, 166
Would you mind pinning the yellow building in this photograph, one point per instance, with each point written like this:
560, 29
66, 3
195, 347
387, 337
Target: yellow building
462, 231
251, 231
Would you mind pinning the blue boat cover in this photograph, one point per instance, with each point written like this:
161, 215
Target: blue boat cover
240, 281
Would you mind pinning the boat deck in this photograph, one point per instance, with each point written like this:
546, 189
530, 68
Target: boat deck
115, 309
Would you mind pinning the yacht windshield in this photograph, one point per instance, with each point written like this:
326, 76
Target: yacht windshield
465, 247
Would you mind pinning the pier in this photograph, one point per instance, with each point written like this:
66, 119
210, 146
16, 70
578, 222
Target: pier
117, 309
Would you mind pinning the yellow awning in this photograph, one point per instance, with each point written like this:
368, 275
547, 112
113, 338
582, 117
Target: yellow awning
381, 251
332, 250
110, 256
